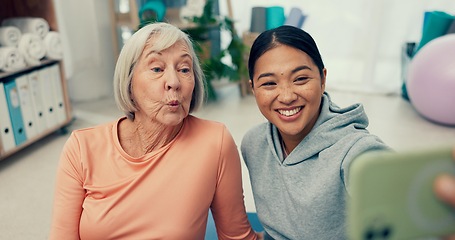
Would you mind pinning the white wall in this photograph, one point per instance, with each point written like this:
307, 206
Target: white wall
89, 59
360, 41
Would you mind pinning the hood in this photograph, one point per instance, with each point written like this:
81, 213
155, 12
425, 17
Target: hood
333, 124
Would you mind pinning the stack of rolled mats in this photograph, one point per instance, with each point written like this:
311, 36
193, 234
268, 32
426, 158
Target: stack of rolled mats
25, 41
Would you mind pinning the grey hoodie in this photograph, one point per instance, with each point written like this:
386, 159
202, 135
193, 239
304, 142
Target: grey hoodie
303, 196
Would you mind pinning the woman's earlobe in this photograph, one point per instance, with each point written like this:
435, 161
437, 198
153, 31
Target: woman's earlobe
323, 79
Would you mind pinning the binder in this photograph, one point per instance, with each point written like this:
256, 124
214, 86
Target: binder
26, 106
14, 107
60, 110
45, 83
6, 129
37, 101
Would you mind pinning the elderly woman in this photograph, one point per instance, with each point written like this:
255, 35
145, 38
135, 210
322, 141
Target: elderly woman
155, 173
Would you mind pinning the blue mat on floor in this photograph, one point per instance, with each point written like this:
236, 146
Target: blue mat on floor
210, 233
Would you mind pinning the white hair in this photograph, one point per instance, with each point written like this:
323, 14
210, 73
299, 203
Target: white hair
164, 36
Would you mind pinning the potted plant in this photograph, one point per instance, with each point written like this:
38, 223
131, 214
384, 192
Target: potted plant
213, 66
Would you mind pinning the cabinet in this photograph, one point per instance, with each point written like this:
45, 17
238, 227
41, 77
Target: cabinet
46, 80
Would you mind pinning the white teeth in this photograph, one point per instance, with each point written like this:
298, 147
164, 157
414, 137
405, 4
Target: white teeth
288, 113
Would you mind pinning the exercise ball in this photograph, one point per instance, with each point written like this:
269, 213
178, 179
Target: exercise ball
431, 80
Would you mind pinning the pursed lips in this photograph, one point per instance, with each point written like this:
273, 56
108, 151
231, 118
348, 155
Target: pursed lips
173, 103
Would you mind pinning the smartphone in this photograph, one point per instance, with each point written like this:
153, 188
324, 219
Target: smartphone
391, 195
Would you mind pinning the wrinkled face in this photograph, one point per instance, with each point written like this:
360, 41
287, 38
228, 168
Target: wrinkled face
288, 89
163, 84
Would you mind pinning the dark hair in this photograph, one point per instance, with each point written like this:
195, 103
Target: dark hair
284, 35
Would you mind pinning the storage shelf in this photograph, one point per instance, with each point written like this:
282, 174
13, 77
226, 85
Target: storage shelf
60, 127
44, 62
42, 9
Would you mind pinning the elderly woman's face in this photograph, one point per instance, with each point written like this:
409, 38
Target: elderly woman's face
163, 84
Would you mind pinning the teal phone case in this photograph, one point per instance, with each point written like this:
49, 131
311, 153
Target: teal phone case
392, 197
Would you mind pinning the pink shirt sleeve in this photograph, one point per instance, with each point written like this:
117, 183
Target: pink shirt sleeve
228, 207
69, 194
208, 178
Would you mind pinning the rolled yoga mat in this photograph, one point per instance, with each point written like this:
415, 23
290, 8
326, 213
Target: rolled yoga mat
274, 17
34, 25
53, 45
31, 47
9, 36
12, 59
258, 19
436, 24
295, 18
451, 28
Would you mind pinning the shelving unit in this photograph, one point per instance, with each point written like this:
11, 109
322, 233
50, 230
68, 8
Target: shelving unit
125, 20
51, 68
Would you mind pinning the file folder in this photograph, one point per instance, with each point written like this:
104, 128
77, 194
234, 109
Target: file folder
13, 102
37, 101
26, 106
60, 110
6, 129
48, 97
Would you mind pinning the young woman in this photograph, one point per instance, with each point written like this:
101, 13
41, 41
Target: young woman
298, 161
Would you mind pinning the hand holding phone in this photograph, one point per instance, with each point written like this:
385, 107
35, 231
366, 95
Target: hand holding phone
392, 195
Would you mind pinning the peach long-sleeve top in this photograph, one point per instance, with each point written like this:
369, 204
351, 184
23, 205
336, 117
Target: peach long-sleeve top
103, 193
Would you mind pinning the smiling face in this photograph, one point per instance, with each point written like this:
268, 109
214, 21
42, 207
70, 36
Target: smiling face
288, 87
162, 84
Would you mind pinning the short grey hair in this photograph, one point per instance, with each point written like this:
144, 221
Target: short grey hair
164, 36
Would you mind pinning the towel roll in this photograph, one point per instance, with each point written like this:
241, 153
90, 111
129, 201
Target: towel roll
12, 59
34, 25
53, 46
31, 47
9, 36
